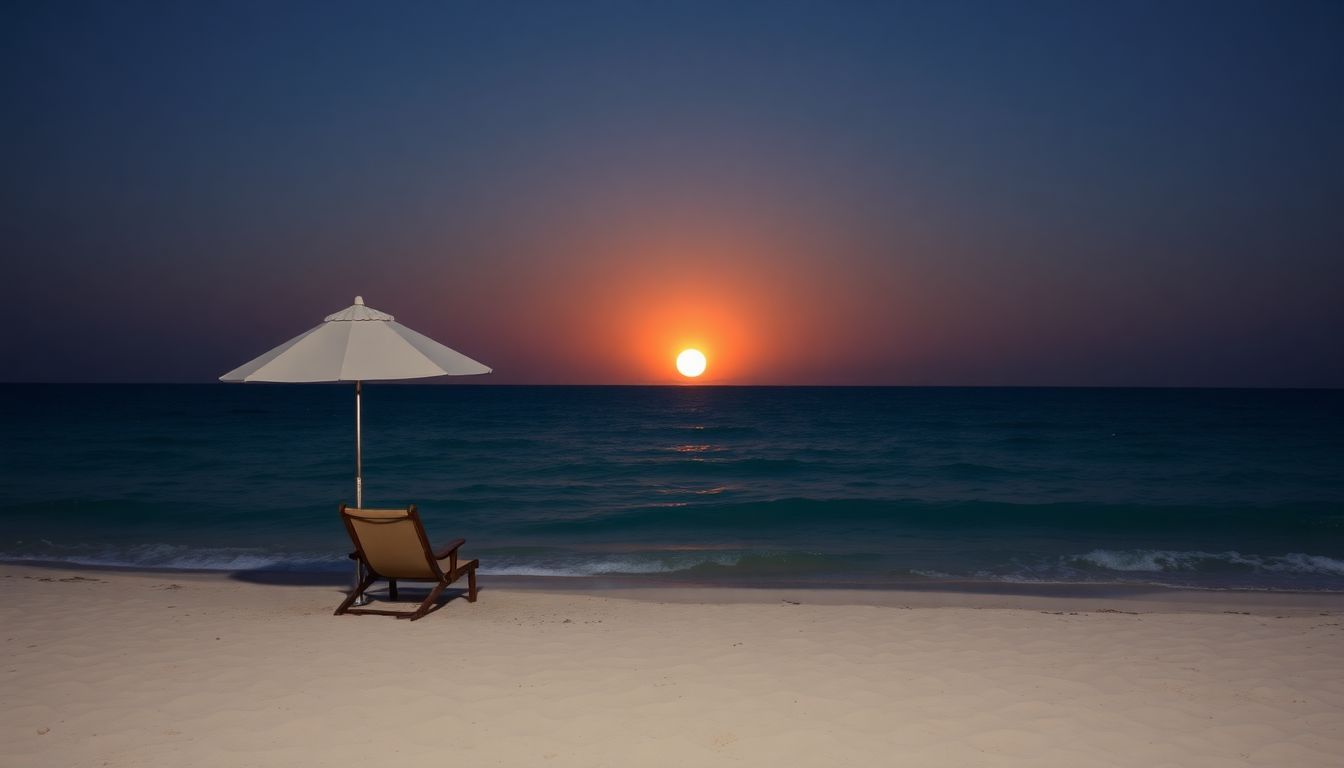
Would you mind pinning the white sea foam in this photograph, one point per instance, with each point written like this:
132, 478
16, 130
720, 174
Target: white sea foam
1166, 560
929, 573
173, 556
607, 567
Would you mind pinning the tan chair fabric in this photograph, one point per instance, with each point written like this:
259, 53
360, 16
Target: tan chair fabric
391, 541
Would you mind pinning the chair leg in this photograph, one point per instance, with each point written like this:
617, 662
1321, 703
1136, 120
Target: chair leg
471, 585
429, 601
356, 592
392, 588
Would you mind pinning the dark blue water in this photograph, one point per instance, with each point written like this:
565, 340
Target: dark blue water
863, 486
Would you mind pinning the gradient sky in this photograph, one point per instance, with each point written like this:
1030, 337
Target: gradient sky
959, 193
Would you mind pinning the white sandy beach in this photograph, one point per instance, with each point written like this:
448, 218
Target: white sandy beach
113, 668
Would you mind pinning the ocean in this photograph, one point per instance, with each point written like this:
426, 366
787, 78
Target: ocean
743, 486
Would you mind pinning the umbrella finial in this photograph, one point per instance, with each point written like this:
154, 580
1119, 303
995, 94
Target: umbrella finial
359, 301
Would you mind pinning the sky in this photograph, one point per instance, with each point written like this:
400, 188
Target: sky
877, 193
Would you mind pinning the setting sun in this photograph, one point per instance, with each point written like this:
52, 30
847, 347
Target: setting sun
691, 363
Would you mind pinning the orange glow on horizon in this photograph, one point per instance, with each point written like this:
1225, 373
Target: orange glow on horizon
760, 303
667, 310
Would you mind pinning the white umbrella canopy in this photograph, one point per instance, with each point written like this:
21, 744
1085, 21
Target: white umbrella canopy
357, 344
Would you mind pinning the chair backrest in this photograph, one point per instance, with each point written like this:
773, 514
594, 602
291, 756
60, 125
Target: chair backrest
392, 542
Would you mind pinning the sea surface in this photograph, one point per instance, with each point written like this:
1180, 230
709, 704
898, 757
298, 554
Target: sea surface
755, 486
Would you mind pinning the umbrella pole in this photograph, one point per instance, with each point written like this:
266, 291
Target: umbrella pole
359, 458
359, 482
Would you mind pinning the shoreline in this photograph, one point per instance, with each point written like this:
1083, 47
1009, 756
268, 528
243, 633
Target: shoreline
1074, 596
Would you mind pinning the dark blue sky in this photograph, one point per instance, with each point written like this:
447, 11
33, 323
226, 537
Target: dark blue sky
887, 193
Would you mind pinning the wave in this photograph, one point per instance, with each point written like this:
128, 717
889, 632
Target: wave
705, 565
182, 557
1160, 567
690, 461
895, 515
965, 470
633, 565
541, 562
1170, 561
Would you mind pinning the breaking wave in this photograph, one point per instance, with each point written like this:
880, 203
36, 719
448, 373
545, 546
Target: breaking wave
1170, 561
180, 557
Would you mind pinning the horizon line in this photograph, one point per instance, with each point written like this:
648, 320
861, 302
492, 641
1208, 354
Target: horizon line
438, 383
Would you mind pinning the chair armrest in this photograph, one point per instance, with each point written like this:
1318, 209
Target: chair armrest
449, 549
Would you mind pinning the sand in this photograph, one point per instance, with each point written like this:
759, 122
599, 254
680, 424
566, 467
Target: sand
111, 668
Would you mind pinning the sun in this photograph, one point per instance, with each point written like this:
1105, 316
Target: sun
691, 363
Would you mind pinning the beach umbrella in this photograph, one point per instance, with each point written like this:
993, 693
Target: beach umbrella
357, 344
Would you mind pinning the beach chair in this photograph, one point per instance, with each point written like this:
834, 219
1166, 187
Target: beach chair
391, 544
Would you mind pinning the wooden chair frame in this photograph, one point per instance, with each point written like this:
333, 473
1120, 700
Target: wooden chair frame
441, 579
